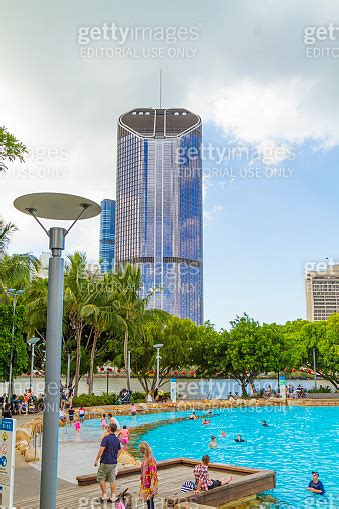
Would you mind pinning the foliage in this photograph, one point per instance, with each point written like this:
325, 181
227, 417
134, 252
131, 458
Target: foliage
6, 232
10, 148
93, 400
19, 345
320, 390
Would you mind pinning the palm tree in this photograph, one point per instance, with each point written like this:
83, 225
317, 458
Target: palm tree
16, 271
78, 292
132, 307
6, 232
102, 314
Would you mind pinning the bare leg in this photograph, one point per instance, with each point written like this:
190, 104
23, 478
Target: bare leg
226, 481
103, 489
112, 491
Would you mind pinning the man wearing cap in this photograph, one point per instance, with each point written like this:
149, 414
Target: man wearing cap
316, 486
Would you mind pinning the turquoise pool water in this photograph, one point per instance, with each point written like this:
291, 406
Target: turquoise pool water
91, 429
297, 441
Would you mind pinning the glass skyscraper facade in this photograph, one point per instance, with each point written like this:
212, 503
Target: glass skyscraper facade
159, 206
107, 236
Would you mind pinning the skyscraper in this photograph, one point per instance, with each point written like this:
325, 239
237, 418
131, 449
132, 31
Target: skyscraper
159, 206
107, 235
322, 293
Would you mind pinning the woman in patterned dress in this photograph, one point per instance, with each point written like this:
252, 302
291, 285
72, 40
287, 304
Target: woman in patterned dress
149, 475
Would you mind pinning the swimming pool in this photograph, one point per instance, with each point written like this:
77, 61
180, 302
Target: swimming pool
91, 429
297, 441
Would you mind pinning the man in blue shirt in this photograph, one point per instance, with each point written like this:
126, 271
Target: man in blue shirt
316, 486
108, 455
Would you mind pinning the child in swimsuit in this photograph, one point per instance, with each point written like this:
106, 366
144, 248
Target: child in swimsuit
103, 422
124, 436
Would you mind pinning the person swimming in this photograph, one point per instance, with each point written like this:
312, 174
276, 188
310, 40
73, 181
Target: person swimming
264, 423
192, 417
239, 439
213, 443
223, 434
206, 421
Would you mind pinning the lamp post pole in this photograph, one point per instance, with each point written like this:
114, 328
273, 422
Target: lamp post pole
55, 206
314, 369
68, 370
129, 368
158, 346
49, 463
32, 342
15, 294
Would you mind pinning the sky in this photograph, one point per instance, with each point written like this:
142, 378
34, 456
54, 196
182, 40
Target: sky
263, 76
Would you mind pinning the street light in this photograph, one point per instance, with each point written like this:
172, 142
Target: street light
129, 368
158, 346
314, 369
13, 292
32, 342
56, 206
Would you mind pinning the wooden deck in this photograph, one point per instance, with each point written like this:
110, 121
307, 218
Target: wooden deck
172, 474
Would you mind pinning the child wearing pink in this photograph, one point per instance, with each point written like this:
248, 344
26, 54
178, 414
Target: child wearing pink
103, 422
77, 427
124, 435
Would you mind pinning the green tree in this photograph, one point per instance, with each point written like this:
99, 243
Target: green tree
78, 291
10, 148
177, 337
18, 346
132, 308
6, 232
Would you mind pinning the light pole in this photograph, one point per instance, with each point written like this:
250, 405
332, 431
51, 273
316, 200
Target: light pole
32, 342
60, 207
15, 294
158, 346
314, 369
129, 368
68, 369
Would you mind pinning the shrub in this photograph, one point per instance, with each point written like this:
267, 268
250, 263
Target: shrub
93, 400
321, 389
138, 397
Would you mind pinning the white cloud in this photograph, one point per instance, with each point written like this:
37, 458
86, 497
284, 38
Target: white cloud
268, 115
211, 215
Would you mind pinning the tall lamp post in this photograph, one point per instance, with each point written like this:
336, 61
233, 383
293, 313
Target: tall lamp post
157, 347
55, 206
315, 369
32, 342
129, 368
13, 292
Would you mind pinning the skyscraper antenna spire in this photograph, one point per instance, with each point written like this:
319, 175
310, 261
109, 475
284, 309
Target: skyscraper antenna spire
160, 88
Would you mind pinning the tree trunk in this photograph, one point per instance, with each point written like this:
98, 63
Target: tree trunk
78, 334
91, 362
126, 358
243, 388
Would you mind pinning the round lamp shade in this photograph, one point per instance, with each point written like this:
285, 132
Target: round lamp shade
57, 206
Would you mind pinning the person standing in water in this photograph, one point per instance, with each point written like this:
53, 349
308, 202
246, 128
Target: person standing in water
213, 443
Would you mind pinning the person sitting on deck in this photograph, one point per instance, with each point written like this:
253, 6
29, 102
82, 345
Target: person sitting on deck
213, 443
316, 486
239, 439
202, 480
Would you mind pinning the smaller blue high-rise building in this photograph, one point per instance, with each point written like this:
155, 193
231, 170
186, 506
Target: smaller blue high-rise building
107, 236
